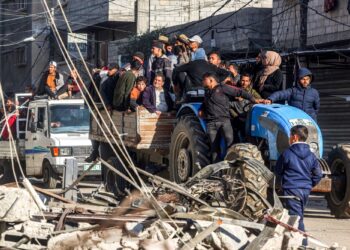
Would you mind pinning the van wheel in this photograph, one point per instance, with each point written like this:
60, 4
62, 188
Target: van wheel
50, 178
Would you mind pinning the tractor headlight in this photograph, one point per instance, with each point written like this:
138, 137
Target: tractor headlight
314, 147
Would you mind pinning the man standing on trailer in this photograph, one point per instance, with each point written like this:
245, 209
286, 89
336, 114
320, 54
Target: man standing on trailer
215, 110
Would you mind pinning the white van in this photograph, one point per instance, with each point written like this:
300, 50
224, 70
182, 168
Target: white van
52, 131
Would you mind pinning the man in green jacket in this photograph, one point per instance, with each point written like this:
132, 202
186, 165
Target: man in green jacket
121, 97
239, 108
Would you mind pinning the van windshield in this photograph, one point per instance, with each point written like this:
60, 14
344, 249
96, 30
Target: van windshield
69, 118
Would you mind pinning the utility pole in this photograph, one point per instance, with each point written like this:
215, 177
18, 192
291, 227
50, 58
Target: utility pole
52, 39
303, 24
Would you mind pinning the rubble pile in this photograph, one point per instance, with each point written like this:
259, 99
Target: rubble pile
228, 205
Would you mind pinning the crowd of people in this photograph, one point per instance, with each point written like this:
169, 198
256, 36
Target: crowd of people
161, 83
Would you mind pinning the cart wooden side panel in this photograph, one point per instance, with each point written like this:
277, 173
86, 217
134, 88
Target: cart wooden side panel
139, 130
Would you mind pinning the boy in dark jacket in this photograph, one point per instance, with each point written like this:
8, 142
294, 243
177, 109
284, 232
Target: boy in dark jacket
298, 170
302, 96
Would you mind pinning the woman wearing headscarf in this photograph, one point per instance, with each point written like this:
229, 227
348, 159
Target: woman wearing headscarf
270, 78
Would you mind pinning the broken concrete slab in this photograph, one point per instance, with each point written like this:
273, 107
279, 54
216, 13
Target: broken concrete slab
101, 239
16, 205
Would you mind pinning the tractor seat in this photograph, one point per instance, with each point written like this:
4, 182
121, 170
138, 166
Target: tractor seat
195, 95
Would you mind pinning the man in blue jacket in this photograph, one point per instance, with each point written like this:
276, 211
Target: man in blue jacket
302, 96
298, 170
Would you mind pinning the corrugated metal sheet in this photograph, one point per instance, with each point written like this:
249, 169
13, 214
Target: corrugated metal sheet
334, 115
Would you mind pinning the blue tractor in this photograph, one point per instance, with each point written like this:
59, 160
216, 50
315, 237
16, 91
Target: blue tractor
268, 128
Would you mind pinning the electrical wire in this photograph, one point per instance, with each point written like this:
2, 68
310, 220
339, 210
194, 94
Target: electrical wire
35, 60
204, 32
287, 31
192, 24
125, 155
70, 65
53, 24
19, 17
67, 59
322, 15
150, 195
41, 14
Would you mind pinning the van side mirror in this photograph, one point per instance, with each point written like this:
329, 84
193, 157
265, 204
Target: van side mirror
33, 127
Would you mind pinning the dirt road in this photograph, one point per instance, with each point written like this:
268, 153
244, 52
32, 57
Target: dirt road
325, 227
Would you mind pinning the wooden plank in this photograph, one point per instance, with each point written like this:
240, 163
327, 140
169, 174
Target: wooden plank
156, 119
130, 125
157, 122
156, 133
146, 114
43, 191
168, 128
150, 146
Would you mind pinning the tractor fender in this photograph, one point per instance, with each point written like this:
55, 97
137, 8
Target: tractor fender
192, 109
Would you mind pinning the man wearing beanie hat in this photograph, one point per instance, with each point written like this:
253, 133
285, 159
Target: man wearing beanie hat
139, 56
302, 96
107, 87
51, 82
161, 64
170, 54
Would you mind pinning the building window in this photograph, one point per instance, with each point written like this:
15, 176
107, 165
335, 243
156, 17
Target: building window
20, 57
21, 4
16, 5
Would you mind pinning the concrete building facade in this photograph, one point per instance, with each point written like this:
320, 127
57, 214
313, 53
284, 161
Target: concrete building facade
195, 16
323, 28
155, 14
19, 54
324, 50
102, 22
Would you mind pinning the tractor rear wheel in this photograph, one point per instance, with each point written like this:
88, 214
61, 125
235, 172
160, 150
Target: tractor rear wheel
339, 197
189, 148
